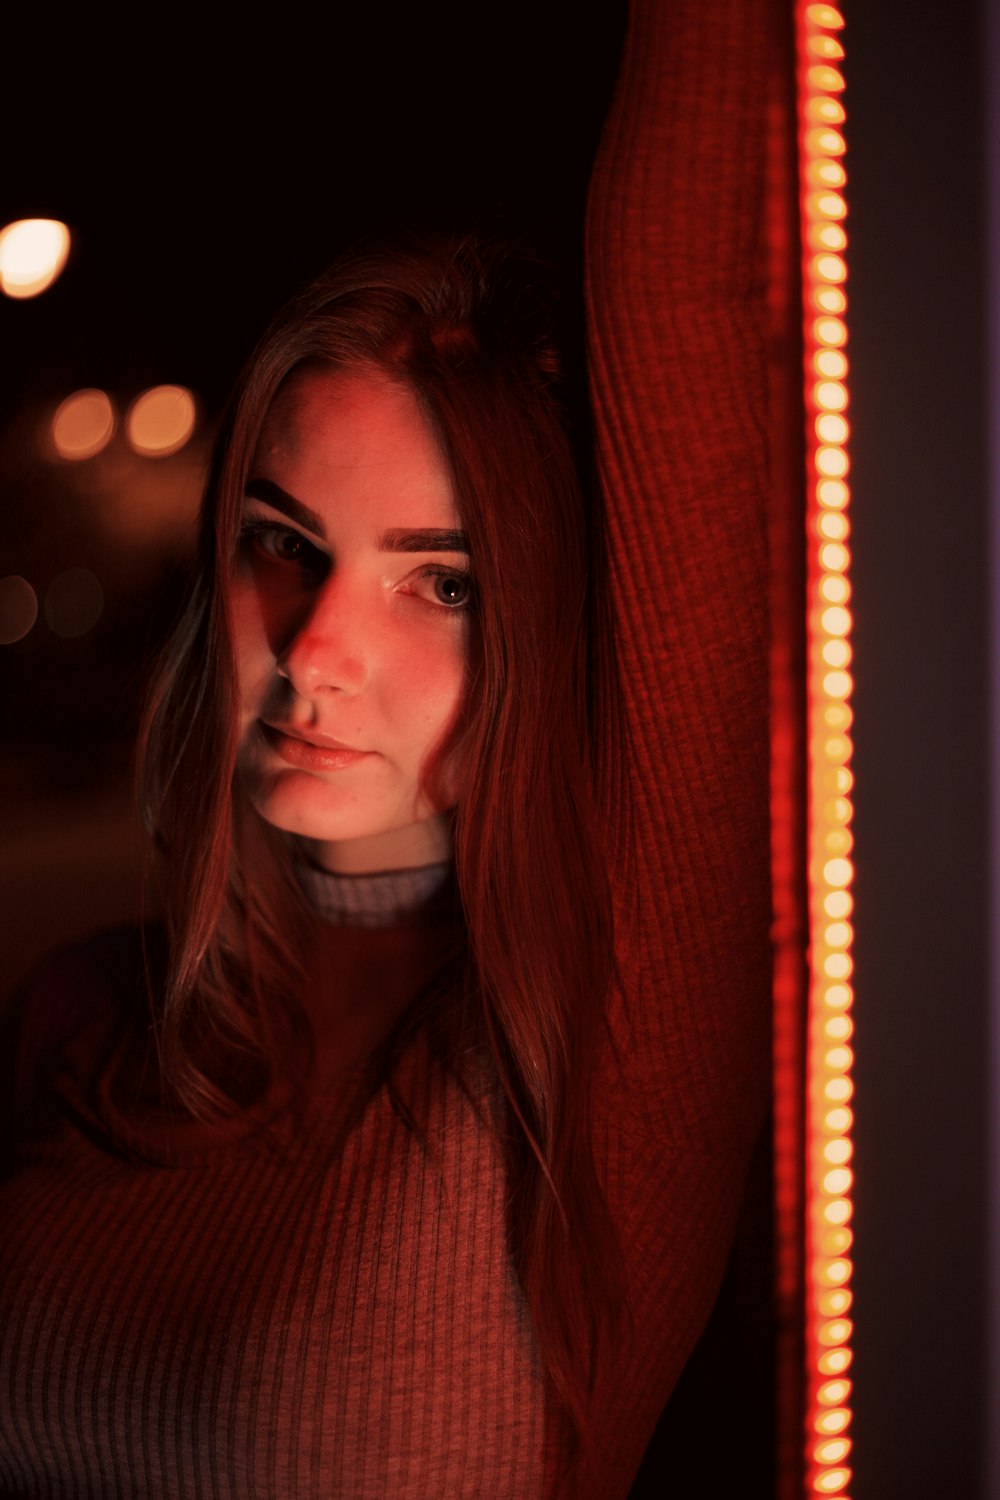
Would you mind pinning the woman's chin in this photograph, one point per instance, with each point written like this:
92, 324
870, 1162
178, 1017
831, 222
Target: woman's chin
426, 842
347, 837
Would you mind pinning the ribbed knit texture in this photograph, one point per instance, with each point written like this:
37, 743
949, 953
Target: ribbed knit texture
376, 900
327, 1308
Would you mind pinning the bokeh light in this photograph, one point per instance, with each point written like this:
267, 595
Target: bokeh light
74, 602
83, 424
18, 609
160, 421
33, 252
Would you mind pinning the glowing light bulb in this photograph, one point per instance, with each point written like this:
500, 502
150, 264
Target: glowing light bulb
831, 331
826, 236
838, 1119
831, 395
838, 997
838, 1028
831, 428
827, 16
836, 653
836, 620
831, 363
834, 557
831, 1480
833, 492
830, 111
830, 268
838, 810
825, 141
833, 1421
837, 1212
837, 716
832, 1450
33, 253
827, 173
834, 1392
837, 1153
838, 1182
830, 299
832, 462
825, 46
837, 684
835, 588
83, 424
825, 80
833, 524
837, 904
834, 1362
829, 205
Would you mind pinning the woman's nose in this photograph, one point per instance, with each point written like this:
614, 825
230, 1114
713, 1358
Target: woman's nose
326, 650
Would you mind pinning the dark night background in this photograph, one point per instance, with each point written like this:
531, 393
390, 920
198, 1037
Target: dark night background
204, 177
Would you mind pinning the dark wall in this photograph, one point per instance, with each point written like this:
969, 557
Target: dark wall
918, 387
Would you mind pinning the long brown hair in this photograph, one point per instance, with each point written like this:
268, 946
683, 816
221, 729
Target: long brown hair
464, 326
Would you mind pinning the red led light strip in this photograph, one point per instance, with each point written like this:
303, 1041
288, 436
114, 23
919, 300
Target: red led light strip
828, 1115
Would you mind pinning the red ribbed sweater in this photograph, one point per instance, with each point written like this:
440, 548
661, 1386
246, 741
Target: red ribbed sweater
328, 1309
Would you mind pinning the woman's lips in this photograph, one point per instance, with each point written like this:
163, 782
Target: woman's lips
310, 755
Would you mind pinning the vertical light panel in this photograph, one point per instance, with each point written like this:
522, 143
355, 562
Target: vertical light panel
828, 1115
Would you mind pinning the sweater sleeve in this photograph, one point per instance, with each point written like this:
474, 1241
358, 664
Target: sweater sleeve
677, 303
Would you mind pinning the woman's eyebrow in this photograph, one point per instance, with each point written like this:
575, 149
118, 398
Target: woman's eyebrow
432, 540
278, 499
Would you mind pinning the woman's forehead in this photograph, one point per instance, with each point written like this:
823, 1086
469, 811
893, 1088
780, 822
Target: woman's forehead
358, 431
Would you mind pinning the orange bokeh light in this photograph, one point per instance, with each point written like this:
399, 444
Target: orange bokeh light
18, 609
825, 80
830, 331
830, 362
833, 1421
822, 107
161, 421
83, 425
33, 253
831, 395
830, 299
826, 16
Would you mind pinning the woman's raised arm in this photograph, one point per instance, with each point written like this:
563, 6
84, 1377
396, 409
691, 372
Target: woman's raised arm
677, 302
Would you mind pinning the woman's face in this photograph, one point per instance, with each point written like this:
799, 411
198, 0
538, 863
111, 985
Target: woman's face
350, 599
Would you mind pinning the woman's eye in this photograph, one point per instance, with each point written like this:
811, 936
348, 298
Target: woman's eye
280, 543
446, 587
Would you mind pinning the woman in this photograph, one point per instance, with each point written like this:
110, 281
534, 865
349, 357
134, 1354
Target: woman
422, 1181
